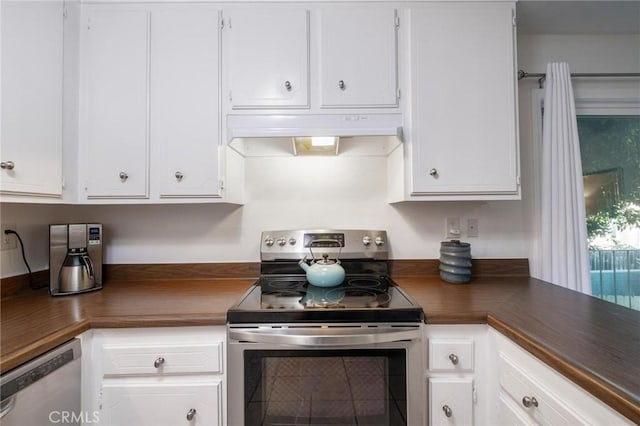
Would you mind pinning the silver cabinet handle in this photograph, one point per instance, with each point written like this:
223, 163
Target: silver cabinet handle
447, 410
191, 414
529, 401
454, 359
433, 172
158, 362
287, 85
179, 175
7, 165
123, 176
341, 85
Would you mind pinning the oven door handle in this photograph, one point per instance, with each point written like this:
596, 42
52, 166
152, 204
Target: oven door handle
325, 336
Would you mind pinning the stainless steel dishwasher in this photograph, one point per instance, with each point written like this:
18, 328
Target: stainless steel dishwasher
45, 390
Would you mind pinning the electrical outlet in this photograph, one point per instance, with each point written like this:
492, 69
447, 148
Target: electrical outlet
472, 227
452, 229
9, 241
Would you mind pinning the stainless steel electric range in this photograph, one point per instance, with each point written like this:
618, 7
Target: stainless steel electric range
345, 354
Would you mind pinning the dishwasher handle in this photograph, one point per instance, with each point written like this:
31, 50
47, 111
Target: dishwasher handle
6, 405
325, 337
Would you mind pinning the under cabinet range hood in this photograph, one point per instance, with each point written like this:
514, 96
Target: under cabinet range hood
273, 135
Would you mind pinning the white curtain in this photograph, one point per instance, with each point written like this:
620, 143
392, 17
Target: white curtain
564, 247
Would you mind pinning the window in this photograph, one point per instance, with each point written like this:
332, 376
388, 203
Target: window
610, 151
608, 116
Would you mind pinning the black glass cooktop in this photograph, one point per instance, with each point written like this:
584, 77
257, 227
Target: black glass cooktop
290, 298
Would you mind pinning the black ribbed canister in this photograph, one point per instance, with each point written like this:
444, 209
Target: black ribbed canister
455, 261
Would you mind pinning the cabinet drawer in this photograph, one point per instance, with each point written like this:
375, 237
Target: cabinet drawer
450, 355
544, 407
511, 414
161, 402
451, 401
162, 358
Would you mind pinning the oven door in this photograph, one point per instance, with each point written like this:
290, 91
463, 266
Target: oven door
338, 374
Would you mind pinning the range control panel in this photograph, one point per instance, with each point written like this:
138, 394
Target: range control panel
342, 244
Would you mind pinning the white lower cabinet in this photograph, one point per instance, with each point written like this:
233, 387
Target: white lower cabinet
166, 401
451, 401
155, 376
458, 383
530, 392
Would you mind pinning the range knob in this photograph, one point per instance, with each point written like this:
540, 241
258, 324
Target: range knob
379, 241
292, 241
282, 241
366, 240
268, 241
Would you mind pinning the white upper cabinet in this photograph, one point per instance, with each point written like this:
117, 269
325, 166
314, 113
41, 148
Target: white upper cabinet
358, 60
151, 94
184, 101
464, 142
32, 63
267, 57
116, 120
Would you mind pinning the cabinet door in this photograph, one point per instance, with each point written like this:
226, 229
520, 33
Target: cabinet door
463, 99
31, 97
184, 100
169, 401
267, 57
358, 65
450, 401
116, 53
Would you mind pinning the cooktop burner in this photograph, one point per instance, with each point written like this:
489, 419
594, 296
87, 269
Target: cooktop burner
282, 294
293, 299
297, 293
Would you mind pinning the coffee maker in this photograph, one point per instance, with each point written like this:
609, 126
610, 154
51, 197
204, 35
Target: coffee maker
75, 258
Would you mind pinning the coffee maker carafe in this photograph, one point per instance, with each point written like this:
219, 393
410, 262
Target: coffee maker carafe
75, 258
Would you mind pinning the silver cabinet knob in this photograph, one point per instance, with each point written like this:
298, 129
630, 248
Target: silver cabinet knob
366, 240
158, 362
292, 241
433, 172
341, 85
379, 241
454, 359
269, 241
282, 241
7, 165
191, 414
287, 85
447, 410
179, 175
123, 176
529, 401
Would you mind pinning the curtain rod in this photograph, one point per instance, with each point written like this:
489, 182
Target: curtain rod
541, 76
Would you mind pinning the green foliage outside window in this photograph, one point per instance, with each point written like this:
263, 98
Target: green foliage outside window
610, 150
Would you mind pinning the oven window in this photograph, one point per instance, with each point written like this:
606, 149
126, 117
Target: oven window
320, 387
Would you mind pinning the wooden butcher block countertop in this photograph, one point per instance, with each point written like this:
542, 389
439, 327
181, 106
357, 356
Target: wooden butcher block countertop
594, 343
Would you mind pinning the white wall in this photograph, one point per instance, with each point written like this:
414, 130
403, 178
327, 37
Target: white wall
585, 53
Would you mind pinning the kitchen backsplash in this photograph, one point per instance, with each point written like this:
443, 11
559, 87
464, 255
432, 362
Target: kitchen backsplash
282, 193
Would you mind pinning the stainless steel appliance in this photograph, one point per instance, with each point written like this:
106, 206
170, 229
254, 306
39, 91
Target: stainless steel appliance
75, 258
349, 354
44, 391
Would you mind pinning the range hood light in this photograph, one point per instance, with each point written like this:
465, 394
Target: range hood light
324, 140
315, 145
